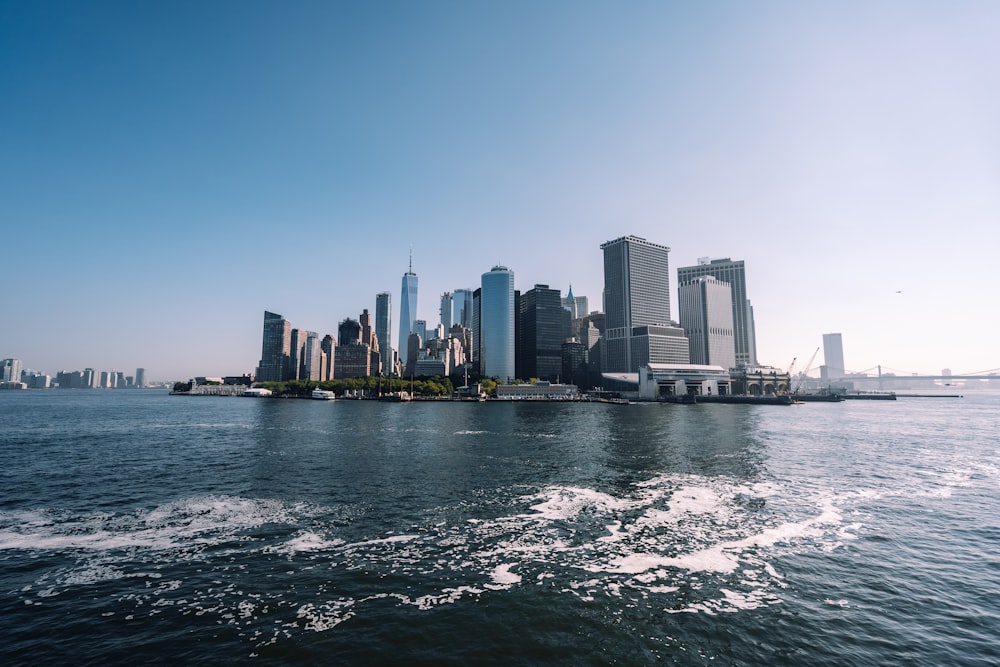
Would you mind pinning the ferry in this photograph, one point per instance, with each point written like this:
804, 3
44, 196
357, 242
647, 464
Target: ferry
323, 395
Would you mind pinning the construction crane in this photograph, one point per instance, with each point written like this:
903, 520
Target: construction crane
805, 371
791, 367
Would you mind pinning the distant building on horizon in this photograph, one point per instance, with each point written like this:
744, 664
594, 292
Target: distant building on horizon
734, 273
638, 329
833, 357
140, 378
407, 309
706, 315
496, 324
10, 370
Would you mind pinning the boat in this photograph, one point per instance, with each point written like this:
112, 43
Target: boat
323, 395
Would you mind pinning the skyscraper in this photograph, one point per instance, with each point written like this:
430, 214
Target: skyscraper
576, 305
706, 313
462, 307
275, 349
496, 345
734, 273
833, 357
383, 330
140, 378
10, 370
637, 306
542, 333
407, 308
446, 302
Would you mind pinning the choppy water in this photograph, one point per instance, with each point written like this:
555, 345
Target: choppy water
138, 527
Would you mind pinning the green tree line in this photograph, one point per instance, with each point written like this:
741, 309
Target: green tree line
372, 386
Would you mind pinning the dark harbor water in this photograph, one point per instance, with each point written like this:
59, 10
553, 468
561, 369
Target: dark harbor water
139, 527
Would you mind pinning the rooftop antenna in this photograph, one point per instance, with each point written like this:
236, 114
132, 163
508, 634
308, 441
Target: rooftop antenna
411, 259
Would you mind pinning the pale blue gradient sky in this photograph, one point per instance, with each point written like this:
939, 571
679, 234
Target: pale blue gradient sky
170, 170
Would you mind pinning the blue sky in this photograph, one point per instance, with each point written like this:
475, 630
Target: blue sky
168, 171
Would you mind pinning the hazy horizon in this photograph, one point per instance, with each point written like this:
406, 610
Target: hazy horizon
172, 171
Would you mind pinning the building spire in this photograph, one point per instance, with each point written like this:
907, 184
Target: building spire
411, 259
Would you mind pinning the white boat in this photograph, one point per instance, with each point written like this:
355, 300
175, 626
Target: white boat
323, 395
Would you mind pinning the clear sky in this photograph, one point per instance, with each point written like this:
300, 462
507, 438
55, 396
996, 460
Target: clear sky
169, 170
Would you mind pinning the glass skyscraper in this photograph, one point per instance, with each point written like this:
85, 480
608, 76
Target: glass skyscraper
275, 354
383, 330
407, 309
496, 344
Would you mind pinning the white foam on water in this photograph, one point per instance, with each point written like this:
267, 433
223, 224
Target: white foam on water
682, 543
503, 578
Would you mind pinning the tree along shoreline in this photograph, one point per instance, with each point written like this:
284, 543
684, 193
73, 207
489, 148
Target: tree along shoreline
369, 386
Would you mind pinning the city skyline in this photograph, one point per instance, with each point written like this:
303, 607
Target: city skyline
156, 199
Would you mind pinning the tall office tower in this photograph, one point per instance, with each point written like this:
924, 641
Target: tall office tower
420, 327
462, 307
446, 305
477, 330
569, 303
637, 295
295, 354
140, 378
368, 336
706, 312
576, 305
353, 357
734, 273
541, 333
833, 357
496, 325
383, 330
10, 370
275, 349
407, 308
327, 346
311, 357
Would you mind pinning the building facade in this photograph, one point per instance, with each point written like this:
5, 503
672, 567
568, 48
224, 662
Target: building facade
275, 354
706, 314
636, 295
383, 331
734, 273
833, 357
462, 307
542, 332
407, 308
497, 316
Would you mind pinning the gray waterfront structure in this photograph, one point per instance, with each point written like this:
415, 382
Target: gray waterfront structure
734, 273
275, 349
833, 357
638, 329
407, 309
706, 314
383, 330
496, 326
140, 378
